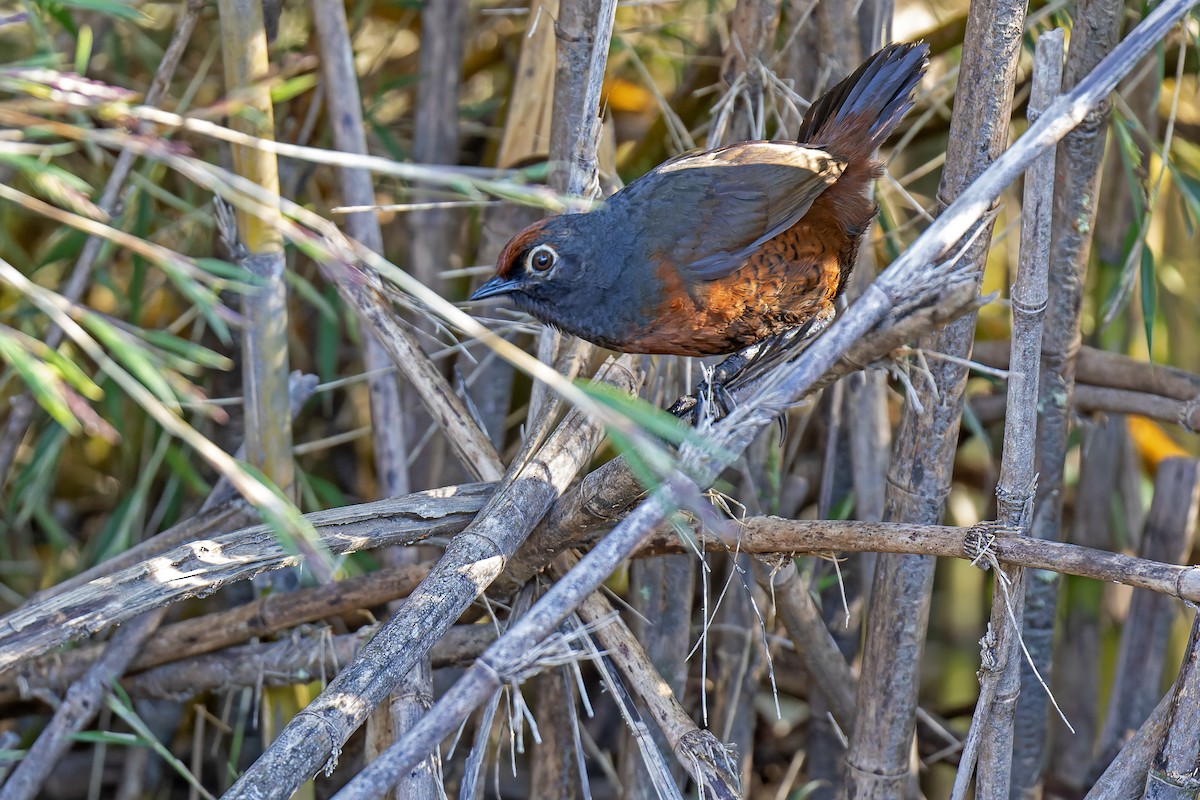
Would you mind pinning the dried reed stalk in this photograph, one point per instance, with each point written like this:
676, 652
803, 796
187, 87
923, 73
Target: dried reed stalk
991, 733
1175, 774
1097, 29
1142, 654
919, 477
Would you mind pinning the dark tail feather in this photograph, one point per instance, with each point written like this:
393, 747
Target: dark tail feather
878, 94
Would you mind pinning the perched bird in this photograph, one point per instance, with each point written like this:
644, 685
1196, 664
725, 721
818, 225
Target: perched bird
716, 250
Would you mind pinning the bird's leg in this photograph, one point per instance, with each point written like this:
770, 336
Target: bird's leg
744, 365
712, 393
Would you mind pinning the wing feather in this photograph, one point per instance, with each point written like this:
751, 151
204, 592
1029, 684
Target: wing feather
727, 202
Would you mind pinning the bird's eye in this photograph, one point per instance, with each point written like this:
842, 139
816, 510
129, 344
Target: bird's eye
541, 258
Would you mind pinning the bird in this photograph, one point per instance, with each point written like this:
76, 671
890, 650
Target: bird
716, 251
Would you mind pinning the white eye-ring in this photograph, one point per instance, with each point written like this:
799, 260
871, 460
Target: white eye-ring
541, 258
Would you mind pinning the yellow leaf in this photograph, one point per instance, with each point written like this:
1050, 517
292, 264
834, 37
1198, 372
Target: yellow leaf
1152, 442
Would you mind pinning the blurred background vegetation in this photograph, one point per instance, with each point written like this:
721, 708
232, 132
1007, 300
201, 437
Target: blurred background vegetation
88, 469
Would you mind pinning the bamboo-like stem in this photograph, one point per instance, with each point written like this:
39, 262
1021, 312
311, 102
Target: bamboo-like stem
259, 249
1000, 676
39, 627
265, 336
433, 233
301, 387
344, 106
192, 637
1095, 32
1142, 654
583, 30
1175, 774
435, 131
1184, 413
919, 476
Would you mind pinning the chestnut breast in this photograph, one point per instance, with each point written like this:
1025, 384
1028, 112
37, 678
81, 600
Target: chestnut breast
785, 283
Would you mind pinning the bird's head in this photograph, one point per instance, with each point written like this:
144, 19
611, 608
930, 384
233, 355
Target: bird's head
539, 266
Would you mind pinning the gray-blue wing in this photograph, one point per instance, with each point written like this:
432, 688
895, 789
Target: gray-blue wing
723, 204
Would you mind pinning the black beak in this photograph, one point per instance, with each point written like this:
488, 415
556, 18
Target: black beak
496, 286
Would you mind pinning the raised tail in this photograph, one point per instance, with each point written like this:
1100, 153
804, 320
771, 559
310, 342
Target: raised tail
864, 108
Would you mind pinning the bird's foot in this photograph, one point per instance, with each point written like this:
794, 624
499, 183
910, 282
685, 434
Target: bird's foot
683, 408
712, 399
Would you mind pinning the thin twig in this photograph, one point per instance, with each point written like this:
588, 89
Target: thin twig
117, 597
